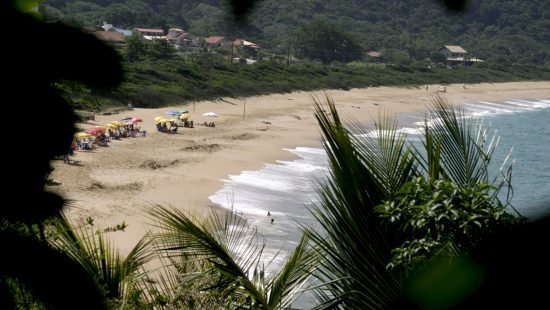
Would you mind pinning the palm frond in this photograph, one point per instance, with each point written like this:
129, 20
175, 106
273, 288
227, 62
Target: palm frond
460, 149
292, 280
353, 245
229, 245
100, 258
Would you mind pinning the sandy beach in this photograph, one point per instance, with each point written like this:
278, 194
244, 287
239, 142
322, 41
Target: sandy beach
113, 184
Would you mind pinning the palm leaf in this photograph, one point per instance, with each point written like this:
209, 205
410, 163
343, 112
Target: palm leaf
460, 149
352, 243
100, 258
233, 251
228, 245
292, 280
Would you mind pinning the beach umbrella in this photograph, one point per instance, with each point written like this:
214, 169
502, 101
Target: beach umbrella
136, 120
184, 111
173, 113
185, 116
117, 123
82, 135
111, 126
158, 118
127, 118
211, 114
95, 131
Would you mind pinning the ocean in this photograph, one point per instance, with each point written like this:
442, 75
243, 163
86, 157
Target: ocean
286, 188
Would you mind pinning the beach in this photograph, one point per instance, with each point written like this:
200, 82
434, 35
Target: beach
115, 184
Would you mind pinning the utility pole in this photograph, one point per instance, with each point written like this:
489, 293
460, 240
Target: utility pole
244, 108
288, 55
231, 58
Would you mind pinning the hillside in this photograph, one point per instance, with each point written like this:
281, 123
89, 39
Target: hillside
493, 30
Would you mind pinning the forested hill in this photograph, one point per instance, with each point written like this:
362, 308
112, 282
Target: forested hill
497, 30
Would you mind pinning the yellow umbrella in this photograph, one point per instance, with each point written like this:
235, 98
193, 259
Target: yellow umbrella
82, 135
112, 126
117, 123
185, 116
158, 118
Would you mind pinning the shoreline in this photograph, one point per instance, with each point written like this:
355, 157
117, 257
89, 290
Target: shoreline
113, 184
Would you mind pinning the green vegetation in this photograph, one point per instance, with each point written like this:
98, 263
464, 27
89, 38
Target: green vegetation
493, 30
509, 36
156, 83
326, 42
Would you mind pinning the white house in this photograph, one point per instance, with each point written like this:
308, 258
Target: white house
456, 55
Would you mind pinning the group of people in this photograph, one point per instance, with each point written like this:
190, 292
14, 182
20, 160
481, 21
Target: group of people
162, 127
100, 136
211, 124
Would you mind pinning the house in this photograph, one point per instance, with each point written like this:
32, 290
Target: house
213, 41
374, 56
455, 55
183, 41
179, 37
174, 33
110, 27
247, 48
150, 33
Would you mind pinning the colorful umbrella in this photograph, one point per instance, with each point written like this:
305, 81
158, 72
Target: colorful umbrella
82, 135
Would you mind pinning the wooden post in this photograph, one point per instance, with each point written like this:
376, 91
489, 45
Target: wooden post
194, 103
244, 108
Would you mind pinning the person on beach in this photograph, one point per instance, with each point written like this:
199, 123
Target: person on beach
268, 213
272, 220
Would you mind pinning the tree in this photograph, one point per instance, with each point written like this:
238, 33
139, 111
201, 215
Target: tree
161, 49
136, 48
229, 251
447, 176
47, 274
116, 276
327, 42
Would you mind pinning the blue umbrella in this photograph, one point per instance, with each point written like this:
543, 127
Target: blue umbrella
127, 118
174, 113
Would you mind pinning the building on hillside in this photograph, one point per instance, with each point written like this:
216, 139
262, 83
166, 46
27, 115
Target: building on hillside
247, 48
457, 56
113, 38
374, 56
174, 33
213, 41
150, 33
110, 27
183, 41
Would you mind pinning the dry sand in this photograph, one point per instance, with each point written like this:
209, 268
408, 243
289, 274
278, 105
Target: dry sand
113, 184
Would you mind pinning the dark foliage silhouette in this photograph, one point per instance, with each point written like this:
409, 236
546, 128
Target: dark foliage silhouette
39, 125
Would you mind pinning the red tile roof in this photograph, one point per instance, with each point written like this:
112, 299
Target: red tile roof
214, 39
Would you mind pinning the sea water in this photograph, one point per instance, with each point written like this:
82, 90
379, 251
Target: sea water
287, 189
